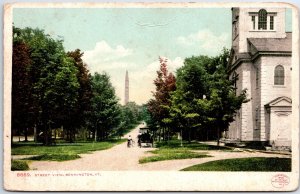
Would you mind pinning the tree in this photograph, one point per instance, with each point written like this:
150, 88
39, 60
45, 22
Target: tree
53, 78
204, 101
165, 84
105, 114
22, 106
83, 105
222, 102
131, 115
191, 87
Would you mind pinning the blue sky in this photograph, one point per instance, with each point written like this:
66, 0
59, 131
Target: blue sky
115, 40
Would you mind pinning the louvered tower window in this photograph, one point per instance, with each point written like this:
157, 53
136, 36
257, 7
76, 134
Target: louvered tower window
262, 19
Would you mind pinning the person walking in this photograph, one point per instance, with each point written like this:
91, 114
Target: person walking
129, 141
139, 139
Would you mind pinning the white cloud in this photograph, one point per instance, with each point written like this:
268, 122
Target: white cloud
104, 57
175, 64
142, 82
206, 41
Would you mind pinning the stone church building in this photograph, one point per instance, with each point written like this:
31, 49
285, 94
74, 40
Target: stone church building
260, 61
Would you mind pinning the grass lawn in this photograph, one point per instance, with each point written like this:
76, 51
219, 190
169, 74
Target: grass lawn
19, 165
54, 157
244, 164
172, 154
172, 150
63, 151
192, 145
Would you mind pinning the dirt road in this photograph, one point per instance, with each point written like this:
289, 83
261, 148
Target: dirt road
117, 158
121, 158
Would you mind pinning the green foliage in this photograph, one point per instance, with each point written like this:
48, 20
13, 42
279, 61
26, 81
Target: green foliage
64, 148
191, 86
191, 78
83, 105
52, 89
222, 102
22, 100
131, 115
105, 110
204, 102
19, 165
54, 157
54, 85
172, 154
194, 145
245, 164
158, 107
172, 149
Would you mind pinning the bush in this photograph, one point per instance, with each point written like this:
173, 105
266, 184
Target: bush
19, 165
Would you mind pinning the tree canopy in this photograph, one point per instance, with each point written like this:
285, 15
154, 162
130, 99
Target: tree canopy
159, 106
202, 103
53, 89
54, 85
105, 112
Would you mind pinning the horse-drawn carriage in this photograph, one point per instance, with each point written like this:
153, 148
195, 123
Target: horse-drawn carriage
145, 137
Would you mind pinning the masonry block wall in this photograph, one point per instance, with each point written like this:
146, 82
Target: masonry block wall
269, 91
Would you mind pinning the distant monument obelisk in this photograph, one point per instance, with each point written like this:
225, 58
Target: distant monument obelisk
126, 88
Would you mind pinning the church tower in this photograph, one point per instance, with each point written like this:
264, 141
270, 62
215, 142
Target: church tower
126, 88
256, 23
260, 61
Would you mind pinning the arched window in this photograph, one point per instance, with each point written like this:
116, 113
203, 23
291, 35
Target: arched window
262, 19
279, 75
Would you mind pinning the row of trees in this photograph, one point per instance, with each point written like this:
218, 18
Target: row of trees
52, 88
199, 103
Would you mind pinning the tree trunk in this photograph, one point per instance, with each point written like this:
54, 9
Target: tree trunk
34, 134
218, 135
26, 134
46, 136
67, 134
106, 135
189, 131
19, 134
159, 134
206, 135
95, 134
74, 132
70, 135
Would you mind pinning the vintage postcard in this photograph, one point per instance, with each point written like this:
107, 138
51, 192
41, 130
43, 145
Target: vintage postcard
151, 97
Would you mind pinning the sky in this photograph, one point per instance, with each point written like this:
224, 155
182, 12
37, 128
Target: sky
115, 40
